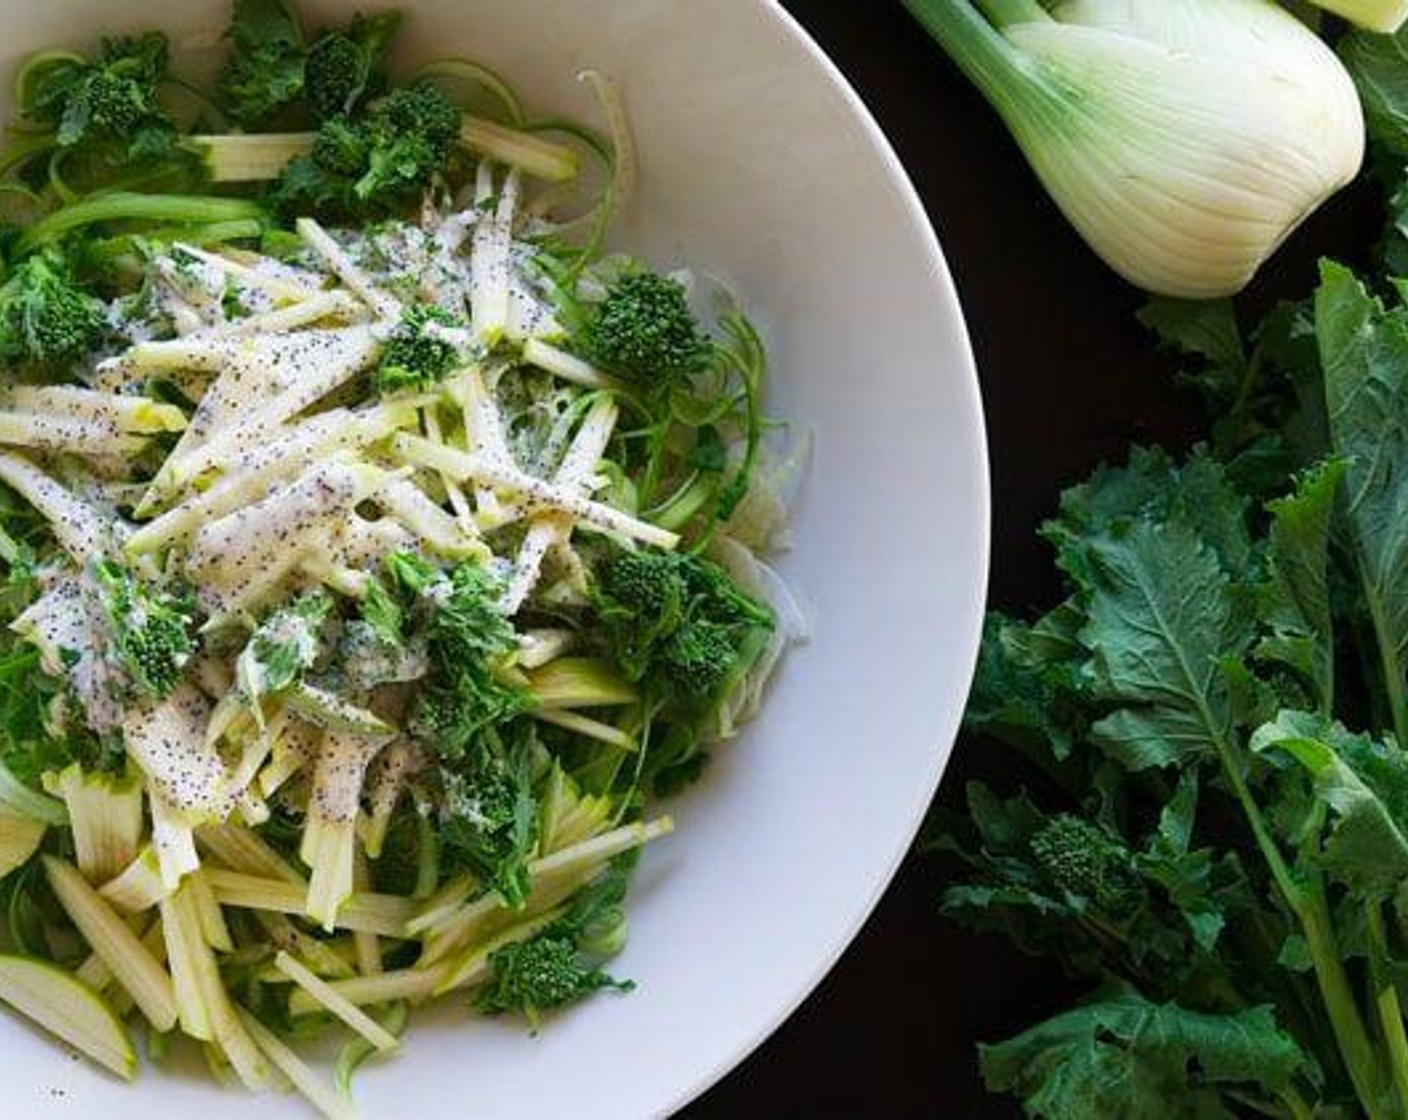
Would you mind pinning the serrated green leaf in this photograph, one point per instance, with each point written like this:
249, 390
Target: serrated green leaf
1295, 602
1364, 353
1365, 785
1130, 1058
1163, 619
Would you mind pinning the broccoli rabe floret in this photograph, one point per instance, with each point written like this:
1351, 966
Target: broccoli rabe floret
455, 708
376, 163
545, 972
1083, 859
677, 618
644, 330
113, 99
343, 66
415, 356
701, 656
559, 965
264, 70
150, 629
45, 315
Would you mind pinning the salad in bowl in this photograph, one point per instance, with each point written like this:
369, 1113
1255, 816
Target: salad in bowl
376, 548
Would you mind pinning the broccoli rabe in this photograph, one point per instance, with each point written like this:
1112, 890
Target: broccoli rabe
468, 644
149, 629
489, 814
559, 965
1083, 859
416, 356
644, 330
343, 66
112, 100
545, 972
678, 618
45, 315
264, 70
375, 163
283, 647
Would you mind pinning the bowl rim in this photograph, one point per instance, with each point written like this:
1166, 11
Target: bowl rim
968, 629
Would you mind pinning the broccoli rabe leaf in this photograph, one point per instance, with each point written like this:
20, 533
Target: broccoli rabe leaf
150, 629
1163, 622
283, 647
264, 70
1365, 786
489, 814
1125, 1056
1364, 354
1379, 66
1295, 601
470, 645
111, 101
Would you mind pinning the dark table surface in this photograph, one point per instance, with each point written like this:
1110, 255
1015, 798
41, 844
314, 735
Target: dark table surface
1069, 379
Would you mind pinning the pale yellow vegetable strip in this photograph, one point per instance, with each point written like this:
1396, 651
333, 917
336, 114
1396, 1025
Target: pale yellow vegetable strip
180, 952
423, 453
61, 433
567, 366
201, 901
76, 525
323, 992
277, 286
132, 415
246, 853
304, 313
109, 936
458, 502
585, 725
413, 984
318, 1092
484, 431
543, 159
574, 476
317, 239
383, 914
367, 945
450, 933
472, 966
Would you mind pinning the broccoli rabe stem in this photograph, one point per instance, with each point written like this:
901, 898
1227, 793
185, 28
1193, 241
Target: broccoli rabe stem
1306, 899
261, 157
129, 206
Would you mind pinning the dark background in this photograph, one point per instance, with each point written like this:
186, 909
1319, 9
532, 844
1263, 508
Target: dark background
1068, 379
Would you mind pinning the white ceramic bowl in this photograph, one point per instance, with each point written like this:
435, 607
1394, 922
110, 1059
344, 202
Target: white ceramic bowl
761, 165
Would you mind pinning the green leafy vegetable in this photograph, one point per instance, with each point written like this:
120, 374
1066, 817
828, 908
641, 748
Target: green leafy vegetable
264, 70
150, 629
645, 330
46, 317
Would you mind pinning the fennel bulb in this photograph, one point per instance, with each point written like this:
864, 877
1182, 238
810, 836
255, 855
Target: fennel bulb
1375, 15
1184, 139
